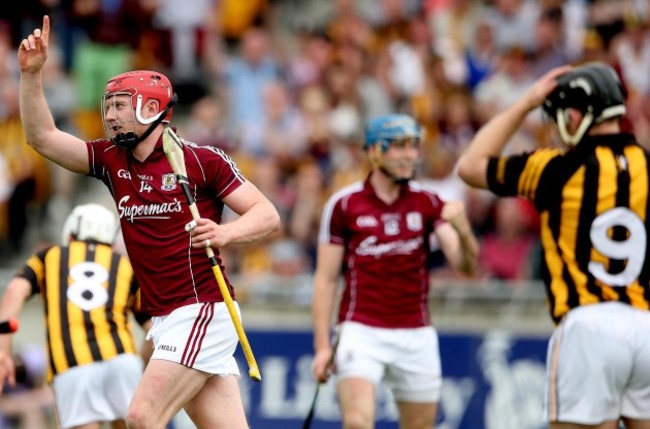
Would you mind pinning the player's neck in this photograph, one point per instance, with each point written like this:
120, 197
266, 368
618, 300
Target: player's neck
611, 126
142, 151
385, 188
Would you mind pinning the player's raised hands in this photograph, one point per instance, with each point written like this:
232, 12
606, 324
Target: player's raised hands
537, 94
32, 52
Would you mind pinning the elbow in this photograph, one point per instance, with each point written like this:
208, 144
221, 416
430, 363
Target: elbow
461, 169
38, 139
273, 222
468, 267
34, 143
470, 261
17, 292
464, 170
466, 259
276, 222
472, 172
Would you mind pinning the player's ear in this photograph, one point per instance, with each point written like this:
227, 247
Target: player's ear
374, 152
152, 107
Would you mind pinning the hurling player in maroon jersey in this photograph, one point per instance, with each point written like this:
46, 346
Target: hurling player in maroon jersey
378, 231
193, 335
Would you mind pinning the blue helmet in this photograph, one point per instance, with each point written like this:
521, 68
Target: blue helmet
385, 129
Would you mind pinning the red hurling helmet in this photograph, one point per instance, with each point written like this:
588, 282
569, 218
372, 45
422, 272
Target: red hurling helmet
142, 85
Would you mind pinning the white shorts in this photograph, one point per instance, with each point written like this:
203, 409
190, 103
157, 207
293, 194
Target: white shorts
200, 336
98, 392
408, 360
598, 365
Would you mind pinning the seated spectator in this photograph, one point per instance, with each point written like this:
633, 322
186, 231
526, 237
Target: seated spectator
506, 252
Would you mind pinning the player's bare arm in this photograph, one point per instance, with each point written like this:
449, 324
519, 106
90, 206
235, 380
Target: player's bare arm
258, 218
17, 292
42, 134
456, 238
493, 136
328, 269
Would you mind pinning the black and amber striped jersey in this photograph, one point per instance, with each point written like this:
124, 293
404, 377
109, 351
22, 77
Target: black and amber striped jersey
88, 292
593, 206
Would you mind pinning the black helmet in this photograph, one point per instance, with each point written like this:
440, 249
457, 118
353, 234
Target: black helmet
594, 89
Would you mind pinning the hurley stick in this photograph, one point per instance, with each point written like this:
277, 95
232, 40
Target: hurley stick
306, 424
173, 148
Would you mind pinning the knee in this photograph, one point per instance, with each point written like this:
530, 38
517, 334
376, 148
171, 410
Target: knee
136, 418
357, 420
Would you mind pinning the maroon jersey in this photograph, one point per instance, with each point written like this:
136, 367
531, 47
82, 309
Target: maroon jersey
386, 252
153, 213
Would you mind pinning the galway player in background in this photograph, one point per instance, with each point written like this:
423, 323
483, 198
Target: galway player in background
193, 335
378, 232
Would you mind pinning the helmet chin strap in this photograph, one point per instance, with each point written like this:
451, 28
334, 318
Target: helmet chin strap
572, 139
130, 140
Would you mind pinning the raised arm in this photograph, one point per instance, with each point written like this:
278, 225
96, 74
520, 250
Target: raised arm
493, 136
42, 134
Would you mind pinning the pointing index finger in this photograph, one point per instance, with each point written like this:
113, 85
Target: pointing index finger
45, 33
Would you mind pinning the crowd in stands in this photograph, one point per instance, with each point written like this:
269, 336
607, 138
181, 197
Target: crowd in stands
285, 86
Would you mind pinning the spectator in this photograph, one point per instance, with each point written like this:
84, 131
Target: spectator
246, 78
107, 34
506, 252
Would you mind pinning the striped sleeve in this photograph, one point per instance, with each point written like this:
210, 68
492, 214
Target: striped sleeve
519, 175
34, 271
332, 225
218, 170
535, 166
96, 150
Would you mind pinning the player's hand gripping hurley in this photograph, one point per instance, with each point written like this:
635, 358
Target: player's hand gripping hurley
173, 148
306, 424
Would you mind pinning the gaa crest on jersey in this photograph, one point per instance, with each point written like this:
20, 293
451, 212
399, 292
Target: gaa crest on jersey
391, 223
391, 227
168, 182
414, 221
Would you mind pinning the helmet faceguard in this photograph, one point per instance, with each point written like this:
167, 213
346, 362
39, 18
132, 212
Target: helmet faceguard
141, 86
90, 222
390, 129
595, 90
